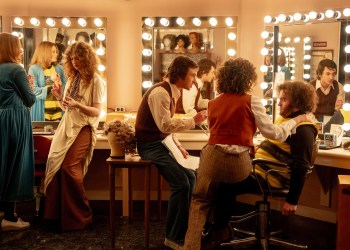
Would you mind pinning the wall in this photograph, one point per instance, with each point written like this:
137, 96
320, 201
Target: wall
124, 29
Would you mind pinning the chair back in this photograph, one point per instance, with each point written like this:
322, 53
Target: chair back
41, 149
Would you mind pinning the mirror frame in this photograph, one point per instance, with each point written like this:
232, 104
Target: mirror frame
150, 43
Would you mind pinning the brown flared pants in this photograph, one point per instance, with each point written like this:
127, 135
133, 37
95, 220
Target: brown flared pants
65, 195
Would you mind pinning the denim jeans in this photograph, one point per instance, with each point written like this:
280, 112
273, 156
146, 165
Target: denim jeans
181, 181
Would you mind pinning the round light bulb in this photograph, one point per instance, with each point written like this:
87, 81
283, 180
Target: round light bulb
347, 68
98, 22
346, 126
231, 36
146, 36
229, 21
180, 21
213, 22
346, 87
264, 85
146, 84
347, 48
231, 52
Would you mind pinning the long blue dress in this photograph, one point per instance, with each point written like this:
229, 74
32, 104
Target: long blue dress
16, 146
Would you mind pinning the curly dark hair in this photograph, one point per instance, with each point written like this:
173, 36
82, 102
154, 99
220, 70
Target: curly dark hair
184, 38
236, 76
179, 68
302, 95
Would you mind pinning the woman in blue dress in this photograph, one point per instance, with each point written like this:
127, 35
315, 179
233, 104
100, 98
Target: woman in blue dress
16, 138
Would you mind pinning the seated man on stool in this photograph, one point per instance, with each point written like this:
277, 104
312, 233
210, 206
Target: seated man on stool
295, 98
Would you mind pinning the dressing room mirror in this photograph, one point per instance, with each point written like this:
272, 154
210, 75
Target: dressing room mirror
216, 40
327, 38
62, 31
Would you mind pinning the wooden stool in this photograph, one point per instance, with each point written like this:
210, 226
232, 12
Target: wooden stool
130, 163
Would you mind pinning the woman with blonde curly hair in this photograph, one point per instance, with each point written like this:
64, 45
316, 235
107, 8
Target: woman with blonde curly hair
72, 147
233, 119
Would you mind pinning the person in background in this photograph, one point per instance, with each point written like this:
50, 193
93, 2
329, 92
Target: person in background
233, 119
16, 146
281, 61
191, 101
61, 48
154, 122
330, 92
45, 69
66, 204
82, 36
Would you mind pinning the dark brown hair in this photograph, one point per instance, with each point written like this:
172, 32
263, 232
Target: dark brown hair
302, 95
236, 76
179, 68
325, 63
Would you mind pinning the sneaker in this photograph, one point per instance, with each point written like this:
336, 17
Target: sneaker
172, 244
10, 225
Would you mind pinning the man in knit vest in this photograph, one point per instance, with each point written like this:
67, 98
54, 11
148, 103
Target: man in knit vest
233, 117
191, 101
154, 123
330, 92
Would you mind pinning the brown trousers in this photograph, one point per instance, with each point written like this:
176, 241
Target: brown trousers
65, 195
215, 167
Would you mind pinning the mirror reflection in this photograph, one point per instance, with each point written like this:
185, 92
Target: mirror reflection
200, 38
44, 40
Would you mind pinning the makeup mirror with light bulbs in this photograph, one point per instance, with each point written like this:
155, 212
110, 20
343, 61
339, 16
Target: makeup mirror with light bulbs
327, 33
62, 31
217, 42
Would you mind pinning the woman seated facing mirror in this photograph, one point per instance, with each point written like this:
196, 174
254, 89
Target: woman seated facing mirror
45, 69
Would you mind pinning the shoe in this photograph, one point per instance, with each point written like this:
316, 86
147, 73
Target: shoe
10, 225
172, 244
215, 237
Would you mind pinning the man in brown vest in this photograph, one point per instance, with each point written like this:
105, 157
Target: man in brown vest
154, 123
330, 92
191, 101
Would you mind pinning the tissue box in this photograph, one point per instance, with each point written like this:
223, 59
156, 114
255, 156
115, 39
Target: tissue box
330, 140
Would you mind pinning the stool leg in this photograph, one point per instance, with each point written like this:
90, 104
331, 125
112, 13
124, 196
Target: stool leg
130, 199
112, 203
147, 203
159, 195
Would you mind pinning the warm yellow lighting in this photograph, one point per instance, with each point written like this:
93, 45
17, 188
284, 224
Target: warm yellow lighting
264, 51
264, 85
347, 48
100, 51
268, 19
282, 17
101, 36
82, 22
146, 68
66, 22
180, 21
163, 21
347, 68
101, 68
196, 21
346, 126
146, 36
347, 29
231, 36
146, 52
346, 106
35, 21
264, 102
346, 12
329, 13
50, 22
231, 52
98, 22
263, 68
229, 21
18, 21
146, 84
149, 22
347, 87
213, 21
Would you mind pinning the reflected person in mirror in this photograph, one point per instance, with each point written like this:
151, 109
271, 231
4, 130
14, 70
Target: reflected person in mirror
45, 69
330, 92
66, 204
191, 101
233, 119
154, 122
16, 136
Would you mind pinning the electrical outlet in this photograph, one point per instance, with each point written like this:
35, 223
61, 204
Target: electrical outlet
119, 109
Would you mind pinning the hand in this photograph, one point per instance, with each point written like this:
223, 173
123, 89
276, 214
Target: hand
183, 151
200, 117
300, 118
339, 104
49, 89
69, 102
31, 82
57, 90
288, 209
